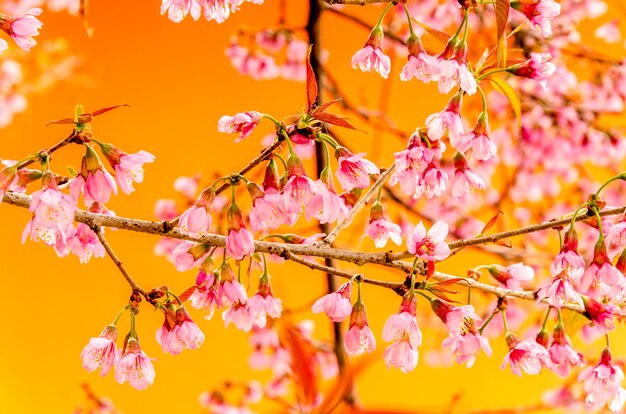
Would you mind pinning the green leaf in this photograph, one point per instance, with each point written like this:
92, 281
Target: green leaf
510, 93
573, 321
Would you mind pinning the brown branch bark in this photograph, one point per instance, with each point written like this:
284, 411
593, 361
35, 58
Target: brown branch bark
388, 259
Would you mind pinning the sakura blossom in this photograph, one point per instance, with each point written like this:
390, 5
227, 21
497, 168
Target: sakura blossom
371, 56
335, 305
354, 171
134, 366
527, 356
179, 332
401, 329
128, 167
359, 337
243, 123
429, 246
101, 352
602, 384
23, 28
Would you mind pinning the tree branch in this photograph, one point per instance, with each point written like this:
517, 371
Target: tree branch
388, 259
118, 263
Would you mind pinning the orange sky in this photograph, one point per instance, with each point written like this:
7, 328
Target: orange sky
178, 83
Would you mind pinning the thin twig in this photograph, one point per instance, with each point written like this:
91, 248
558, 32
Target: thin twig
118, 263
363, 23
50, 150
359, 206
265, 154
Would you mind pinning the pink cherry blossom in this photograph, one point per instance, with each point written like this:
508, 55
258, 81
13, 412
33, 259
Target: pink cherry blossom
602, 384
359, 337
335, 305
527, 356
562, 356
299, 188
464, 181
196, 220
568, 259
264, 302
539, 12
601, 314
22, 29
187, 186
128, 167
85, 244
242, 123
239, 241
244, 318
511, 276
434, 181
325, 204
369, 58
182, 334
601, 273
177, 10
380, 229
401, 329
410, 165
134, 366
446, 123
467, 346
609, 32
101, 352
53, 216
559, 292
429, 246
354, 171
420, 64
458, 319
95, 182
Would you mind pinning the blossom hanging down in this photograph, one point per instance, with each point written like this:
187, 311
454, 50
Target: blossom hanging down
22, 29
401, 329
218, 10
371, 56
603, 384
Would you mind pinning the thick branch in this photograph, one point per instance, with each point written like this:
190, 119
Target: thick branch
388, 259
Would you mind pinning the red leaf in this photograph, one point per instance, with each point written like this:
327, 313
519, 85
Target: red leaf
107, 109
61, 121
333, 119
187, 293
430, 269
325, 105
491, 223
311, 83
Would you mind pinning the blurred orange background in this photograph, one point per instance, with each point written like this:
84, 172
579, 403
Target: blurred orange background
179, 82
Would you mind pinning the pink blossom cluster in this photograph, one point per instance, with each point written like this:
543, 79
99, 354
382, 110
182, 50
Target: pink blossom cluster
269, 54
131, 364
218, 10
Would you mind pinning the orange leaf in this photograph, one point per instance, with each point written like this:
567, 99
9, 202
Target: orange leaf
502, 17
443, 37
187, 293
504, 242
325, 105
491, 223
